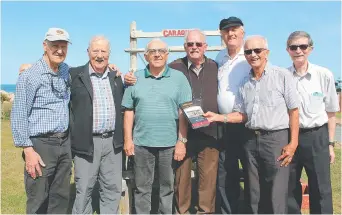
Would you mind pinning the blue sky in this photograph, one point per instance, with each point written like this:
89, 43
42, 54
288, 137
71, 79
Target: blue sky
23, 25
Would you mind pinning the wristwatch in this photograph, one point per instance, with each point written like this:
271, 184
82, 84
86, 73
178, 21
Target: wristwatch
225, 118
332, 143
183, 139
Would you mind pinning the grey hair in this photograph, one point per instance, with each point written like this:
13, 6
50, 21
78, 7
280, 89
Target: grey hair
299, 34
97, 38
258, 37
186, 35
155, 40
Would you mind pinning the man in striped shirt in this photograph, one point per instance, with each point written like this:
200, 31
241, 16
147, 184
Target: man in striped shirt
152, 105
268, 103
40, 120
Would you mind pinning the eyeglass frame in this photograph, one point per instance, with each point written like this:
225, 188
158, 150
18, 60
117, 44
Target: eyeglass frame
198, 44
58, 93
257, 51
301, 47
155, 51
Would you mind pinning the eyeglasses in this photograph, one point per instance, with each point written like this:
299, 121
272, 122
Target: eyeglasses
154, 51
303, 47
256, 51
96, 52
191, 44
60, 86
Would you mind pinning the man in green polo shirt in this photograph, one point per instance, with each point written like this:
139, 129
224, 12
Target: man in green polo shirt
152, 106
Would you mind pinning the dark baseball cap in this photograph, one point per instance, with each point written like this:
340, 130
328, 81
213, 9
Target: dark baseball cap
230, 22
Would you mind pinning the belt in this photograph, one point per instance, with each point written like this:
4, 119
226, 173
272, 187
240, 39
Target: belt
104, 134
263, 132
59, 135
303, 130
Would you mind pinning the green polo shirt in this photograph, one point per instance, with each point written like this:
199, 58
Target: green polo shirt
156, 102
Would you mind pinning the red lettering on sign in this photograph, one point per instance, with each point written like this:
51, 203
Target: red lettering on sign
174, 32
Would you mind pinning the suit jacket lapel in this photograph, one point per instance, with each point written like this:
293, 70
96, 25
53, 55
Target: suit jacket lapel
85, 77
113, 84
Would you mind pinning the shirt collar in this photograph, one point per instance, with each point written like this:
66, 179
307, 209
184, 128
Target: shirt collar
307, 74
47, 69
267, 69
92, 72
241, 52
166, 72
190, 63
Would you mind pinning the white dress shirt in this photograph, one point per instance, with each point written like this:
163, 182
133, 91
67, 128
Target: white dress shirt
317, 94
231, 73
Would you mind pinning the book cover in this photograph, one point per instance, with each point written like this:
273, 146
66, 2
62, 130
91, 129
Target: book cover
194, 114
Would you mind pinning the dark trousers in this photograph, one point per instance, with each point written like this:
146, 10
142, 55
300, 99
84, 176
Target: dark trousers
145, 160
49, 194
268, 182
205, 148
312, 154
228, 178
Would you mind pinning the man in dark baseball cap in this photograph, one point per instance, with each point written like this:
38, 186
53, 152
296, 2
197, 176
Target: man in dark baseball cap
233, 68
230, 22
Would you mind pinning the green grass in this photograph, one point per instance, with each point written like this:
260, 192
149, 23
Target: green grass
338, 115
335, 174
13, 198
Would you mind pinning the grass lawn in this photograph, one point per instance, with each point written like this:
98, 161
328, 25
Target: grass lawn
13, 198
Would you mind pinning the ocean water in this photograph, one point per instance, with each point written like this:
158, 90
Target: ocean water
10, 88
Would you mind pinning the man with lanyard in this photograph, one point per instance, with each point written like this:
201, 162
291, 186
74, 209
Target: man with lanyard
233, 68
315, 152
267, 101
40, 120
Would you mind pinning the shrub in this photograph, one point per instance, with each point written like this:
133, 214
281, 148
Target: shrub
6, 110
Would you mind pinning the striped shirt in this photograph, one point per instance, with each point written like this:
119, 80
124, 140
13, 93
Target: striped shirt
103, 102
41, 102
317, 94
193, 67
156, 103
266, 101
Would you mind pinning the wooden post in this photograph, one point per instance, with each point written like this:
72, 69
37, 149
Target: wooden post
133, 45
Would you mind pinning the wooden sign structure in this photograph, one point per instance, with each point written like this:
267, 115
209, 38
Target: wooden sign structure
136, 34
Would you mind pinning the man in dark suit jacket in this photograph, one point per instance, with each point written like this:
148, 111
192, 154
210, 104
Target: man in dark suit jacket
96, 130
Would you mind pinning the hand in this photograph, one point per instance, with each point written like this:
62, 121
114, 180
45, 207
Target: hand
129, 148
24, 67
180, 151
33, 162
287, 154
130, 79
115, 68
211, 117
332, 154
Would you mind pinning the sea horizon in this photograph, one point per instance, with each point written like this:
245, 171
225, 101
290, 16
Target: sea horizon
10, 88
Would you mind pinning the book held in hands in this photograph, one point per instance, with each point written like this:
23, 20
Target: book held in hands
194, 114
